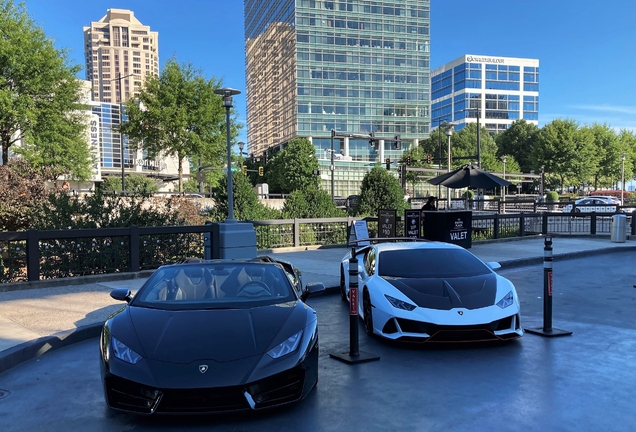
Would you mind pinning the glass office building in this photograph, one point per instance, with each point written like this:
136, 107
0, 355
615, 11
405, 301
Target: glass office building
352, 66
499, 90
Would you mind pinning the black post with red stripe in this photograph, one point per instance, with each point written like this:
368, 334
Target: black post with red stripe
547, 329
354, 355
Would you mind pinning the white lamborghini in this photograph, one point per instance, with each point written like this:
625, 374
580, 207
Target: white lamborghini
431, 292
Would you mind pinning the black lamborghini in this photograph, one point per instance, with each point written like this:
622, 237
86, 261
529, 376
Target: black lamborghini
211, 336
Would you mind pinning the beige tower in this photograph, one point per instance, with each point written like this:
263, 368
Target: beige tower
118, 45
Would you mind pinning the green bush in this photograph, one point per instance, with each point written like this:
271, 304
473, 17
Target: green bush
552, 196
310, 202
469, 194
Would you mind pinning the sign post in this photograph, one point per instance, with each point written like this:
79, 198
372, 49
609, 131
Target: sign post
354, 355
547, 329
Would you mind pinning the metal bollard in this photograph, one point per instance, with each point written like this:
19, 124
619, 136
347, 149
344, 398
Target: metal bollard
354, 355
207, 243
547, 329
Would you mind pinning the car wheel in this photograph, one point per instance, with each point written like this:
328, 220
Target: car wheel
577, 210
368, 313
343, 289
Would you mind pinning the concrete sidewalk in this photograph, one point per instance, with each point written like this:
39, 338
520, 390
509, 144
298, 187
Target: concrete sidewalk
33, 321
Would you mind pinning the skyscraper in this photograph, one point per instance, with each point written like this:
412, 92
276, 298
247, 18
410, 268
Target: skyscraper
498, 89
353, 66
118, 45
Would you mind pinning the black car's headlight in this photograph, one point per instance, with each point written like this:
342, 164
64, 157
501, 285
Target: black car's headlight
123, 353
400, 304
506, 301
288, 346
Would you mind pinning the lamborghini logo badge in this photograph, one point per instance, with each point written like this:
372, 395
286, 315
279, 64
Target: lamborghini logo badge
460, 312
203, 368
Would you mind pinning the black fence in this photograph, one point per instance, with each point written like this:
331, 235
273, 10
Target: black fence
34, 255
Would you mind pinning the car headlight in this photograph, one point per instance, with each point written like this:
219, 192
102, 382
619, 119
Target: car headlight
288, 346
506, 301
123, 353
400, 304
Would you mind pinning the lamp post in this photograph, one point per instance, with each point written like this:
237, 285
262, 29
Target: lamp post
622, 178
241, 146
227, 94
121, 120
439, 159
449, 133
503, 188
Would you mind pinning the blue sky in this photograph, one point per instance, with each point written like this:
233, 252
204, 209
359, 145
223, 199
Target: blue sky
586, 48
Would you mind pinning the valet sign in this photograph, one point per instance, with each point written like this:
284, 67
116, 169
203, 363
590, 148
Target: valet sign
412, 223
459, 232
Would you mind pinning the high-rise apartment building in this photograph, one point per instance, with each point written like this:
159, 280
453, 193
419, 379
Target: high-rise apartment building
499, 90
353, 66
118, 45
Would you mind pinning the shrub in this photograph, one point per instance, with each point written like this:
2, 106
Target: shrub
469, 194
552, 196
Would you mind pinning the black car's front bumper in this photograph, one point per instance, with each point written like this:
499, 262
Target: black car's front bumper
279, 389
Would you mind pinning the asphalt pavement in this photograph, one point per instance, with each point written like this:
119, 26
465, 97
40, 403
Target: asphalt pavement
34, 321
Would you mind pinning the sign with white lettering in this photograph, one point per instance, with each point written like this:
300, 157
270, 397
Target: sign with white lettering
472, 59
386, 223
412, 223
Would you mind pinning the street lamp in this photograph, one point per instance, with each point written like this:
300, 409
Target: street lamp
241, 146
622, 178
503, 189
121, 120
449, 133
227, 94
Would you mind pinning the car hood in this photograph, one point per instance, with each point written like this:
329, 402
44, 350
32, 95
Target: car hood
221, 335
447, 293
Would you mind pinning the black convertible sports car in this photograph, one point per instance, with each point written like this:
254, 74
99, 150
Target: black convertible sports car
211, 336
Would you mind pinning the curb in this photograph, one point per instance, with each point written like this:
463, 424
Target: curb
35, 348
521, 262
78, 280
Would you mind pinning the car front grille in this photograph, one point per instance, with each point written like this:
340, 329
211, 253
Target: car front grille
276, 390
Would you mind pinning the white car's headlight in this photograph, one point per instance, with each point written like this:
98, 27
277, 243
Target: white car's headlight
123, 353
506, 301
400, 304
288, 346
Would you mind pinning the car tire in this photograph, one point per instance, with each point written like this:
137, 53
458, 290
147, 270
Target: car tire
368, 312
577, 210
343, 289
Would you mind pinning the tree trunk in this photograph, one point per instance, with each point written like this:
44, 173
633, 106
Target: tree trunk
5, 152
180, 175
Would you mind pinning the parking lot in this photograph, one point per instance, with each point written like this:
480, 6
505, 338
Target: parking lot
582, 382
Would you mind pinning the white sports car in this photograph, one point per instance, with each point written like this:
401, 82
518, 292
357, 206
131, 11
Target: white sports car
432, 292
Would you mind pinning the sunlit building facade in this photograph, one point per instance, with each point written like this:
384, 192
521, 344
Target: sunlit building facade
119, 45
353, 66
499, 90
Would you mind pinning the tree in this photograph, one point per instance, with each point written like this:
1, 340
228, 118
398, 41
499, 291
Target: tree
565, 152
518, 141
379, 190
246, 203
293, 167
179, 115
628, 142
608, 147
39, 98
310, 202
464, 143
134, 183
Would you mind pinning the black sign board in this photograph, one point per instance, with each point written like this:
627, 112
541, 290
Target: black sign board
448, 226
386, 223
412, 223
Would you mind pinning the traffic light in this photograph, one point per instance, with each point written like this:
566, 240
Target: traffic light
372, 139
260, 171
408, 160
244, 169
388, 163
428, 158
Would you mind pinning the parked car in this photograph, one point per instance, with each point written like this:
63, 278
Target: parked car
432, 292
592, 204
209, 337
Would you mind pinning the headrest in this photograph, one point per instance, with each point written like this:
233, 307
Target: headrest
254, 271
193, 272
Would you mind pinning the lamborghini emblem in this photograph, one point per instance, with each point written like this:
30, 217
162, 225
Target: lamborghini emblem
460, 312
203, 368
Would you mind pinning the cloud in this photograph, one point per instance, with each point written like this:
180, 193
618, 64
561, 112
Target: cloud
607, 108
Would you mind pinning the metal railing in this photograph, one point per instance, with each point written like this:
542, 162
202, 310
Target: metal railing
33, 255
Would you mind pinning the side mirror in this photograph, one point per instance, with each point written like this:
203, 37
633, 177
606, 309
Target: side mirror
121, 294
313, 288
493, 265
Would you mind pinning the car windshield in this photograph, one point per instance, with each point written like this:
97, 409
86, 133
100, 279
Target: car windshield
215, 285
430, 263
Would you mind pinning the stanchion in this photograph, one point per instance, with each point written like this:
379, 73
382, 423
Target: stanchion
547, 329
354, 355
